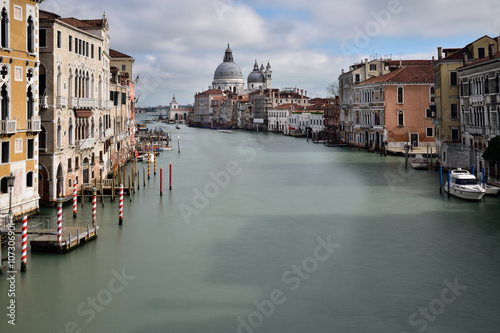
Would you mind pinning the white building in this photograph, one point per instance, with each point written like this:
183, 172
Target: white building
228, 75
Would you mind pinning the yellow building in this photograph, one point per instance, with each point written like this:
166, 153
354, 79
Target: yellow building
446, 108
19, 106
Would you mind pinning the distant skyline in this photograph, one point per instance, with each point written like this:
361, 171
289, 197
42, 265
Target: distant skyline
178, 45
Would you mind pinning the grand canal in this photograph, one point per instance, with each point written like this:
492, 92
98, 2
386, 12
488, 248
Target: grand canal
267, 233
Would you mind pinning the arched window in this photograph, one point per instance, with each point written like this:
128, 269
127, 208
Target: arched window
4, 185
42, 139
401, 118
59, 134
30, 107
4, 96
70, 132
4, 26
400, 95
30, 35
29, 179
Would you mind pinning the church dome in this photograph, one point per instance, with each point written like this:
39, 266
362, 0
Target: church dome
228, 70
256, 77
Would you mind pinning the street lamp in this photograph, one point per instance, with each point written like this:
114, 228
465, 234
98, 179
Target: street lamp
10, 181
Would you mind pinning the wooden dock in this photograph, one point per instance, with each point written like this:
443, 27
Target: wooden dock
72, 237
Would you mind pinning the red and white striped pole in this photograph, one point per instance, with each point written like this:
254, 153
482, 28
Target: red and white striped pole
24, 243
59, 221
170, 176
161, 181
74, 199
94, 205
120, 207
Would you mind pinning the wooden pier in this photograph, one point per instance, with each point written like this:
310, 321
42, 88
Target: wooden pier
72, 237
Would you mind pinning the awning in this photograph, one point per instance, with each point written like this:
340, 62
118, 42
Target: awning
83, 113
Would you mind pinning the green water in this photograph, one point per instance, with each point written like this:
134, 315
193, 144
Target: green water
240, 244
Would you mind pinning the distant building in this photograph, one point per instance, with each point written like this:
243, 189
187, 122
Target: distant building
228, 75
260, 78
178, 114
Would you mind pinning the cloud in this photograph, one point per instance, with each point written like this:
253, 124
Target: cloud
178, 44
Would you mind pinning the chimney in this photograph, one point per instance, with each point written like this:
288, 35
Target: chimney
342, 71
305, 94
440, 54
466, 59
301, 93
490, 50
366, 69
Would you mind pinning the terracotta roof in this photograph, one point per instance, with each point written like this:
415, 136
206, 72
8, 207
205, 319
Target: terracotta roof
288, 106
457, 55
211, 92
116, 54
477, 61
411, 62
406, 74
77, 23
49, 15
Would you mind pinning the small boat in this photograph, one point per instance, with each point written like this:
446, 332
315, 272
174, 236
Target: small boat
464, 185
419, 162
491, 190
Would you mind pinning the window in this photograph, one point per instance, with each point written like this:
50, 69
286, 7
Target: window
429, 131
373, 67
4, 104
453, 78
454, 111
29, 179
432, 95
76, 163
400, 95
92, 51
99, 53
124, 98
69, 165
70, 43
428, 113
76, 45
455, 134
401, 118
59, 39
487, 85
5, 152
480, 52
87, 49
31, 149
356, 80
30, 104
4, 26
124, 67
30, 35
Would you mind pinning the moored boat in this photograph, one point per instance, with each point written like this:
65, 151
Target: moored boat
491, 190
464, 185
419, 162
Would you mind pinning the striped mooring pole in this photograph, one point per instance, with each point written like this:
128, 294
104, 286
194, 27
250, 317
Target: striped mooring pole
120, 206
59, 220
75, 199
149, 165
154, 164
94, 205
24, 243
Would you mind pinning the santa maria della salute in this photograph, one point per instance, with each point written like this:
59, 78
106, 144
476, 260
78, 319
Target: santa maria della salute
228, 76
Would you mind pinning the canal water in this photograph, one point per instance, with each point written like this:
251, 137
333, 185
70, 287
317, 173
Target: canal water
267, 233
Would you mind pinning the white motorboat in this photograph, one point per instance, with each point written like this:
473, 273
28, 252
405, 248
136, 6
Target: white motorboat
491, 190
464, 185
419, 162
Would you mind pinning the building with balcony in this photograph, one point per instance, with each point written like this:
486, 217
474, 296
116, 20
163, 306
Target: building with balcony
393, 107
75, 138
446, 109
19, 106
479, 89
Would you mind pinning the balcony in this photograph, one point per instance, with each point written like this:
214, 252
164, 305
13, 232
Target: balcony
8, 126
85, 103
74, 102
477, 99
85, 144
61, 102
34, 125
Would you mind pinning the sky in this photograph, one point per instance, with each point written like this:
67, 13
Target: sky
177, 45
